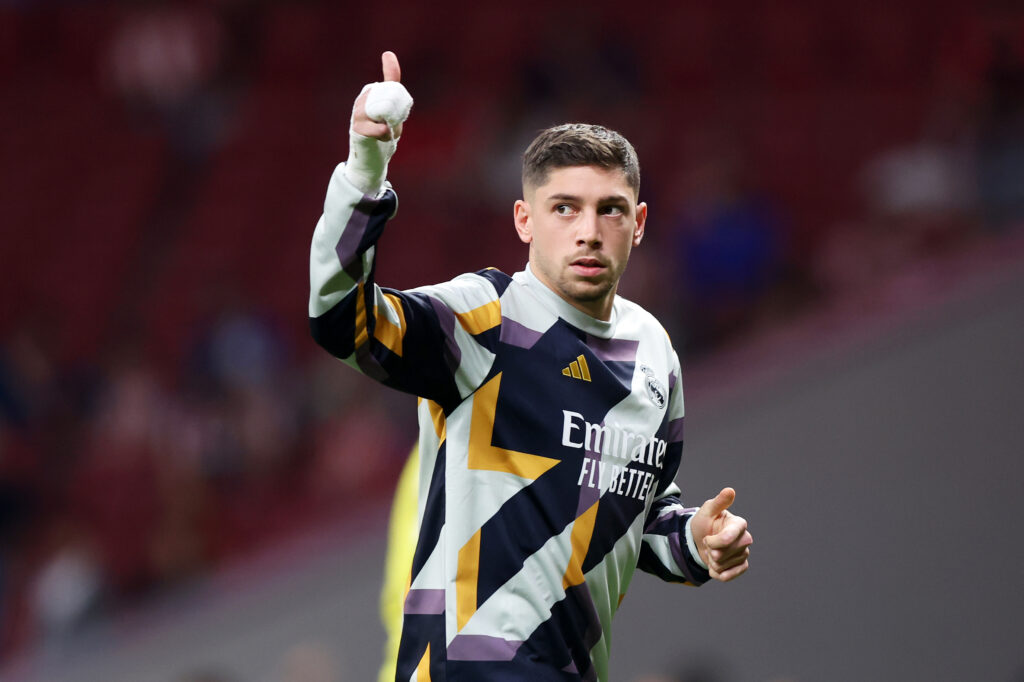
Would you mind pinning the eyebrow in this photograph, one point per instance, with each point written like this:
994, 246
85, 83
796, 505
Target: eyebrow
610, 199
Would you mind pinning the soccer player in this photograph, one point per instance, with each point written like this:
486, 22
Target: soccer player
551, 411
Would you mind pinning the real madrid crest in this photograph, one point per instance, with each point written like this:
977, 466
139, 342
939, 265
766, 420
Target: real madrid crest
655, 389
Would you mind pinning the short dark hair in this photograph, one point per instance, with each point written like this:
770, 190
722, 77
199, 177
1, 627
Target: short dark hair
579, 144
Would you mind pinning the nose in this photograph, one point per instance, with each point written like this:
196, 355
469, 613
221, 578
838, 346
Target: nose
588, 230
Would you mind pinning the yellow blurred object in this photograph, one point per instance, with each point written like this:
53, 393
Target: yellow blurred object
402, 531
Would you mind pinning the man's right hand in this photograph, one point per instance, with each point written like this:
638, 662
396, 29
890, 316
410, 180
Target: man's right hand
363, 124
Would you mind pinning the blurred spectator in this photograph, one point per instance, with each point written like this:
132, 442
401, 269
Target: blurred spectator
730, 243
923, 190
117, 477
237, 377
163, 60
238, 349
357, 444
69, 585
241, 418
167, 62
919, 199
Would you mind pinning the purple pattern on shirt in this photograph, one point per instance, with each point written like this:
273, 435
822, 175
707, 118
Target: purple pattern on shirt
516, 334
446, 318
424, 602
482, 648
668, 514
613, 350
348, 246
588, 495
675, 431
676, 543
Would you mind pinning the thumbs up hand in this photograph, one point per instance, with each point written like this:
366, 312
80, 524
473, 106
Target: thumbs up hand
382, 107
721, 537
377, 117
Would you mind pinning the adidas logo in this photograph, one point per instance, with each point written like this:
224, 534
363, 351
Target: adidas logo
578, 369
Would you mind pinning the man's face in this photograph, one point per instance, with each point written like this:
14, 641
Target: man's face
581, 225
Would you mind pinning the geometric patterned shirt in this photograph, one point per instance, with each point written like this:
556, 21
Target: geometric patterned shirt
549, 442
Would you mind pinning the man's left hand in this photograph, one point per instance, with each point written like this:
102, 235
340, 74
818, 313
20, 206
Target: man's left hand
722, 537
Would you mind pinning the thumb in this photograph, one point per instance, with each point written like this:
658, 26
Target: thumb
715, 506
389, 63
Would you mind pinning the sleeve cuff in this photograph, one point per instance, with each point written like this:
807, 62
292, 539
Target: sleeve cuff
367, 165
692, 546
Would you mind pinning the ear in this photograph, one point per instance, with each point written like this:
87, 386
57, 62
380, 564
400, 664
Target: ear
641, 221
521, 216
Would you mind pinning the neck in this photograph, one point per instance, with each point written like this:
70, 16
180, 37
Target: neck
599, 309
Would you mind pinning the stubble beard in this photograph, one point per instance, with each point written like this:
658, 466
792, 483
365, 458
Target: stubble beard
585, 290
574, 289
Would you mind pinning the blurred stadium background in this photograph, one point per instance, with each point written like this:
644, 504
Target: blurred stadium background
190, 491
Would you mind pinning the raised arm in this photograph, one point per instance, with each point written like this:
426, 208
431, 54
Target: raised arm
412, 341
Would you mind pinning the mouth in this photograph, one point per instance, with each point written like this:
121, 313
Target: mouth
587, 267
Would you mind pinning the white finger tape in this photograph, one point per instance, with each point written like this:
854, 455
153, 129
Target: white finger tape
388, 102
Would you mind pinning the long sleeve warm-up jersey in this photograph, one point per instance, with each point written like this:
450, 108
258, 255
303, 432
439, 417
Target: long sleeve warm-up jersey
549, 441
